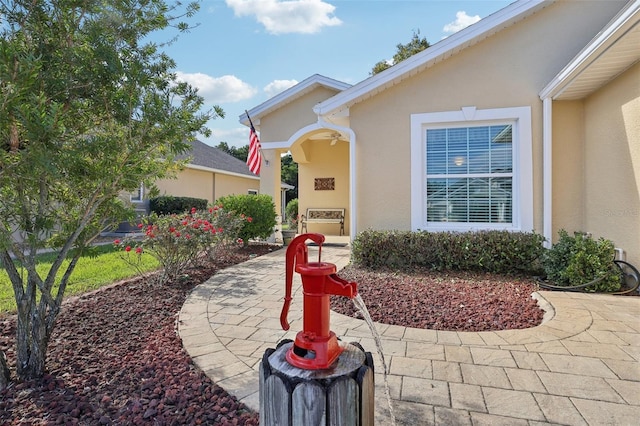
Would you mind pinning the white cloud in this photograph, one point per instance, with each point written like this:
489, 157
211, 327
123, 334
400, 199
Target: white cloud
225, 89
237, 136
462, 21
291, 16
277, 86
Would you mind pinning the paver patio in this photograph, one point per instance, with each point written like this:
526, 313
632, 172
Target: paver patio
580, 367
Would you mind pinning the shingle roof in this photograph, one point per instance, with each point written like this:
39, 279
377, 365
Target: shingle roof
207, 156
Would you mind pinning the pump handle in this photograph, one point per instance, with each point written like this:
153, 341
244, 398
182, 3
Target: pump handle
297, 252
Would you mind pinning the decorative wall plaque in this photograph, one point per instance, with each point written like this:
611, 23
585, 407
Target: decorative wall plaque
325, 184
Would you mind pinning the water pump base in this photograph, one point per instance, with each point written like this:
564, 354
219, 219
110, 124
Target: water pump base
313, 353
343, 394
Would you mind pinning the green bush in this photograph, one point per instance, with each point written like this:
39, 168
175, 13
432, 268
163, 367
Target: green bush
291, 212
168, 204
259, 210
491, 251
579, 259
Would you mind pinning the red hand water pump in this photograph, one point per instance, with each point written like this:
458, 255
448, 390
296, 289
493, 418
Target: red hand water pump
316, 346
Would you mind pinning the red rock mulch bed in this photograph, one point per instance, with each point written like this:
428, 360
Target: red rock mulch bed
457, 301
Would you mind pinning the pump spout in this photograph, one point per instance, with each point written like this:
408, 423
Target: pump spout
340, 287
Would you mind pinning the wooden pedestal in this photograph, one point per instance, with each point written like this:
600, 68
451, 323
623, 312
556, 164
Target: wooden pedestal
341, 395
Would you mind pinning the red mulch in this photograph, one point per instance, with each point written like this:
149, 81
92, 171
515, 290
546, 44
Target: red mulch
458, 301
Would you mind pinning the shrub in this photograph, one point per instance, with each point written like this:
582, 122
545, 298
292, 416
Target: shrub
291, 212
168, 204
178, 242
491, 251
259, 210
579, 259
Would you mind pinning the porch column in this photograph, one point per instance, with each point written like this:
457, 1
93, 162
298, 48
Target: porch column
270, 180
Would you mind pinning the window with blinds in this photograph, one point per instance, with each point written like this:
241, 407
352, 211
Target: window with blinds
469, 174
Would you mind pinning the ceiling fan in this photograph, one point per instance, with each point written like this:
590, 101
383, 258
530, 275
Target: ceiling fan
335, 137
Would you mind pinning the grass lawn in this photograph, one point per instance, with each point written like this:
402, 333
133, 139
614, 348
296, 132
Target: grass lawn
105, 266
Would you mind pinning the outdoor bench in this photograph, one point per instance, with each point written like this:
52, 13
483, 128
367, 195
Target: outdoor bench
323, 215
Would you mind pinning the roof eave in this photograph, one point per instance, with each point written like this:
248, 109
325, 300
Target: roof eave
223, 172
624, 21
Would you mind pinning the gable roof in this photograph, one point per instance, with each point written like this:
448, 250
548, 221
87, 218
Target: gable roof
205, 157
614, 50
442, 50
289, 95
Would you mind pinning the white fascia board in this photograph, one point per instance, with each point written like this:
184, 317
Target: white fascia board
290, 94
275, 145
626, 19
435, 53
222, 172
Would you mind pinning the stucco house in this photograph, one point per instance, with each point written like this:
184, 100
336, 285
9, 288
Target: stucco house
210, 174
528, 120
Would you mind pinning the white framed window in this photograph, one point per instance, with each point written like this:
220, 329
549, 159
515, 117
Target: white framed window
138, 195
252, 192
472, 169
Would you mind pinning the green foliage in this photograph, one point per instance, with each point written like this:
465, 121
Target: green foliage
179, 242
168, 204
403, 52
491, 251
89, 108
579, 259
291, 212
289, 175
240, 153
259, 210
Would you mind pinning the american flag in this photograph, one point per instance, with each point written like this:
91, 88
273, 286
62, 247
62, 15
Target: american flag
255, 156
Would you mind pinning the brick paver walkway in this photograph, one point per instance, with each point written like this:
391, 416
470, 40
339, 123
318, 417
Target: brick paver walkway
580, 367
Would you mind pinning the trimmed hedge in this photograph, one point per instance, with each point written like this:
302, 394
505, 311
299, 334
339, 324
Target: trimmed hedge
168, 204
491, 251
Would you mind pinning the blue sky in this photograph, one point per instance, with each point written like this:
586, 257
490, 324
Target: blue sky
243, 52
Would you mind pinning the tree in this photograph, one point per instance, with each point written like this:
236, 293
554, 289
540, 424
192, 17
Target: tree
240, 153
403, 52
289, 174
88, 110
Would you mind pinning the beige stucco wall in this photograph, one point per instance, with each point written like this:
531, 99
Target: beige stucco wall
506, 70
612, 163
281, 124
229, 185
325, 161
205, 184
568, 167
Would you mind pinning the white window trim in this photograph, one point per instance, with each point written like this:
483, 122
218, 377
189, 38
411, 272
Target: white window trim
522, 164
140, 192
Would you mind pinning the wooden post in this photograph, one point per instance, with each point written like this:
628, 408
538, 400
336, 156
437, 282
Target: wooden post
342, 395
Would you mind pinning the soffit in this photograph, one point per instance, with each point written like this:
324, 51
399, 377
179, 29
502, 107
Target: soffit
613, 61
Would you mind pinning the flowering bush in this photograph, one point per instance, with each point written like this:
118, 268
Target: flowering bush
179, 242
